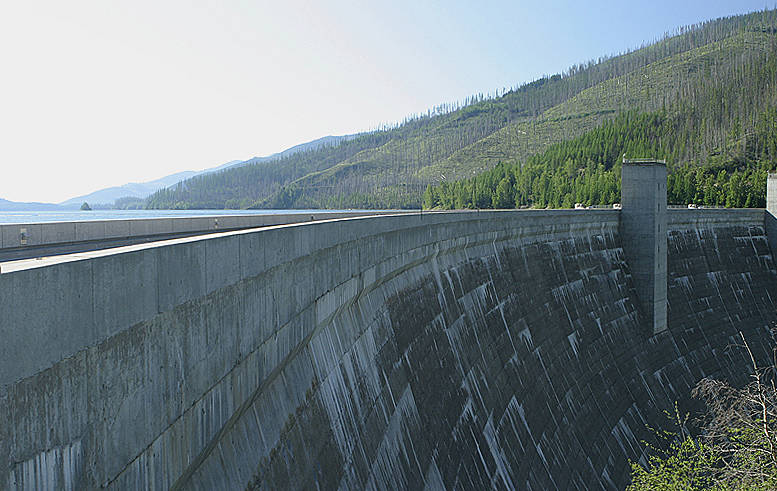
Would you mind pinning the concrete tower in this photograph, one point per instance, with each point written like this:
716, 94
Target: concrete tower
770, 217
643, 232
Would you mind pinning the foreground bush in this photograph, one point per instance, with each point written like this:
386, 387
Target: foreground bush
737, 447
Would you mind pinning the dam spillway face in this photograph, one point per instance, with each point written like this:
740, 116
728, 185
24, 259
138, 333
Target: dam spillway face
507, 350
476, 376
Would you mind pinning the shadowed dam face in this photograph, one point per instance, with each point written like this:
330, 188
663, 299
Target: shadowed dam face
455, 350
526, 368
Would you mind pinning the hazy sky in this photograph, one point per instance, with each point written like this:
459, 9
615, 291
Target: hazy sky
101, 93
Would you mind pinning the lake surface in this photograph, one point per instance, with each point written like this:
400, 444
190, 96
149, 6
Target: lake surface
73, 216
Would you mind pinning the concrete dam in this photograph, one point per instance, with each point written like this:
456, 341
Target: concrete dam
455, 350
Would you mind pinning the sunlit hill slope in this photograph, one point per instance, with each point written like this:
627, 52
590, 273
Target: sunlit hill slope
704, 98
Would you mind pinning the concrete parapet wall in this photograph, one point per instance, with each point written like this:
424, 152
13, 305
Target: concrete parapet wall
470, 349
688, 219
49, 233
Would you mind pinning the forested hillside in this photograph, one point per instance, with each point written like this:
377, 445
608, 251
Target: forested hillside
704, 99
718, 135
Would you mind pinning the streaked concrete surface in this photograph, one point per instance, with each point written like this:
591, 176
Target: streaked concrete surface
447, 350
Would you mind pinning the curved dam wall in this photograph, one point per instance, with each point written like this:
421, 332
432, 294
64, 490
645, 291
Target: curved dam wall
446, 350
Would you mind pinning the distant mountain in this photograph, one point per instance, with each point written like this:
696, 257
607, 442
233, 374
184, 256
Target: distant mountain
6, 205
133, 189
302, 147
144, 189
710, 88
312, 145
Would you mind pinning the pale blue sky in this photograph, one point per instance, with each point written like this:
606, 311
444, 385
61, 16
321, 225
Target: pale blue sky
100, 93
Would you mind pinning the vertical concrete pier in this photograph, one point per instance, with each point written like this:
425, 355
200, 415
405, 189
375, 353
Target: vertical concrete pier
770, 217
643, 232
